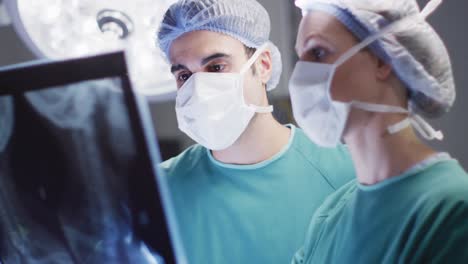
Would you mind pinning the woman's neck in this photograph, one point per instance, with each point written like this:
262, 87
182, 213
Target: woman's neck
379, 155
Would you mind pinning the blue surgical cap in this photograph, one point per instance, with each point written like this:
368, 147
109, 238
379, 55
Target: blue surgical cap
244, 20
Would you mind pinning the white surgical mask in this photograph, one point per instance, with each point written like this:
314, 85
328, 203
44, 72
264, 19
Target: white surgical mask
324, 119
211, 109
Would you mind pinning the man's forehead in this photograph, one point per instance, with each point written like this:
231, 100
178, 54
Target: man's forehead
199, 55
201, 44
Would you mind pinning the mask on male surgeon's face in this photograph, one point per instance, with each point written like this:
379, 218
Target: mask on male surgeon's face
211, 108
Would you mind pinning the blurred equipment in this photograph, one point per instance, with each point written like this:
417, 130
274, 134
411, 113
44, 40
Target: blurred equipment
60, 29
4, 18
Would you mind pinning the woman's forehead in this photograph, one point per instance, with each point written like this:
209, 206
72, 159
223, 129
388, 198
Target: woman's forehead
325, 25
322, 23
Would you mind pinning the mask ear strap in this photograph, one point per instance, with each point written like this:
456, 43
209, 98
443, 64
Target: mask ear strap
254, 57
426, 130
366, 42
393, 129
430, 8
378, 108
395, 26
262, 109
246, 67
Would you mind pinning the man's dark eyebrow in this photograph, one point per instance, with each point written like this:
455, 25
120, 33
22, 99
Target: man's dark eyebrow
178, 67
214, 56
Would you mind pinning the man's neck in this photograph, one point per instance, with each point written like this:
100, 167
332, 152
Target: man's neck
263, 138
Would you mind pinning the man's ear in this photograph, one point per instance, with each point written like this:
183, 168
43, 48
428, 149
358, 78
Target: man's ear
264, 66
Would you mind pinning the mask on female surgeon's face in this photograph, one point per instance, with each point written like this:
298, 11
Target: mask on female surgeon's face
211, 109
322, 118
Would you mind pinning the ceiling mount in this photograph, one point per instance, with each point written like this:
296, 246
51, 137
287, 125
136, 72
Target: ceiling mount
115, 23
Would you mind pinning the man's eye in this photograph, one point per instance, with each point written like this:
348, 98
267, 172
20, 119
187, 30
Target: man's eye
216, 68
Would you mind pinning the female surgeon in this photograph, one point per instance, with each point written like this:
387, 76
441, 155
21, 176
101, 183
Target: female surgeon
368, 71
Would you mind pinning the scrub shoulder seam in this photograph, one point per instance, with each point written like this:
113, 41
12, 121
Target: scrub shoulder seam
315, 166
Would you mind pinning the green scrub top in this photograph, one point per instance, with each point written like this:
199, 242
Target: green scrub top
418, 217
252, 213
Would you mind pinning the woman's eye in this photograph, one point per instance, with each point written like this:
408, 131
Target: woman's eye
216, 68
318, 54
183, 77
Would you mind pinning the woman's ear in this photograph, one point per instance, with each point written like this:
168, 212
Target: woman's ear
384, 70
264, 66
